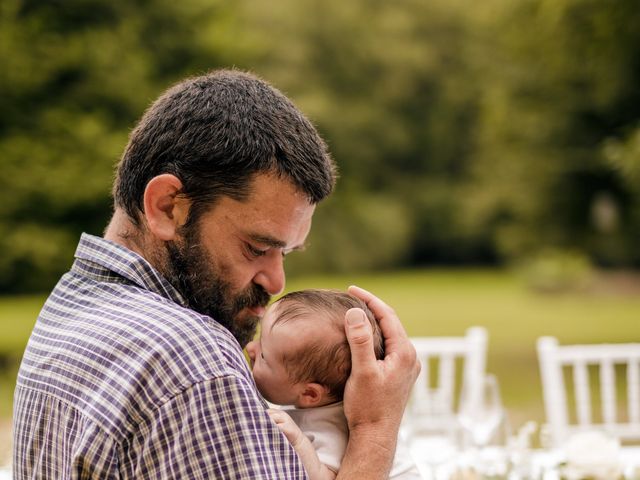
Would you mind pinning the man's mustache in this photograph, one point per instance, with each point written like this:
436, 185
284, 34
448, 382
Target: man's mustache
256, 296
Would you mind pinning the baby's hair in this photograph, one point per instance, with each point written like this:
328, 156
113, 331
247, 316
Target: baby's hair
320, 361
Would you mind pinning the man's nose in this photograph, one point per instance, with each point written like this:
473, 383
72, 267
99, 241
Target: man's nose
271, 276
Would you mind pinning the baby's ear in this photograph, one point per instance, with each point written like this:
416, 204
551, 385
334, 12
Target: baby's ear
313, 395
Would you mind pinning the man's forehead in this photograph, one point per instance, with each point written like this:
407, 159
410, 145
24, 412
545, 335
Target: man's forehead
275, 214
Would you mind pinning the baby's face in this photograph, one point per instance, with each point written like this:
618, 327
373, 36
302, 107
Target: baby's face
267, 358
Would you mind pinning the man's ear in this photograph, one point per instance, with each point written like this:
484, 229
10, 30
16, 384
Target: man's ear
313, 395
164, 210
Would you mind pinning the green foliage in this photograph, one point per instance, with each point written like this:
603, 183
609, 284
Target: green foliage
564, 85
554, 271
466, 132
76, 75
488, 121
624, 156
355, 233
385, 87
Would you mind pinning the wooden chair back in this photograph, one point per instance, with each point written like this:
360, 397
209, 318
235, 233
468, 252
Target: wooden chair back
562, 419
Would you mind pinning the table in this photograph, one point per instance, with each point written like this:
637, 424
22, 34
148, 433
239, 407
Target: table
438, 459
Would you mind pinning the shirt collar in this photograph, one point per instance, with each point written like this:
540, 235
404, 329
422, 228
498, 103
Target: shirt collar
102, 258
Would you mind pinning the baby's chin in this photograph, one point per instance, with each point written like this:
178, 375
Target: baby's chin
275, 399
270, 400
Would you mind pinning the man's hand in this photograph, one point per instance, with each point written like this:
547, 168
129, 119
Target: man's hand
377, 390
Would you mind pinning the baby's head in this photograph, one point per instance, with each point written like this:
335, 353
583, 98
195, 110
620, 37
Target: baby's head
302, 357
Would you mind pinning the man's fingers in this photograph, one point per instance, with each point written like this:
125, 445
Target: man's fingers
374, 303
360, 338
389, 322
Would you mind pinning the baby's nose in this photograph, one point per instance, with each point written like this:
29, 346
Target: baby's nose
251, 351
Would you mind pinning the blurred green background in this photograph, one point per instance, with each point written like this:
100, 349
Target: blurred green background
489, 152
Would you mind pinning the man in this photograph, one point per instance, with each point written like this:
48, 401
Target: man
135, 368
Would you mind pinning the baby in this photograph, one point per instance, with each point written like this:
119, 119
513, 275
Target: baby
302, 360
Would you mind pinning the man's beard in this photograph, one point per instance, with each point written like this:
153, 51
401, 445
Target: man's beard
194, 273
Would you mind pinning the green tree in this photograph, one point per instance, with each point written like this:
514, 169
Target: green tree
465, 131
560, 84
388, 84
76, 75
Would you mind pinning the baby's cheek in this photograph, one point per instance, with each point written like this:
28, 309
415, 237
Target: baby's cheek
257, 376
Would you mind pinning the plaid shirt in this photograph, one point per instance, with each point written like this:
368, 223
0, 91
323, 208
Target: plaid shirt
120, 380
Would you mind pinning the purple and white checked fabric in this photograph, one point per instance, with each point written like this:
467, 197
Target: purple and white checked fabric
120, 380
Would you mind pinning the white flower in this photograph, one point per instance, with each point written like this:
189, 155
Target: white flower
592, 454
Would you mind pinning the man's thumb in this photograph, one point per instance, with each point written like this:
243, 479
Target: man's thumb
359, 336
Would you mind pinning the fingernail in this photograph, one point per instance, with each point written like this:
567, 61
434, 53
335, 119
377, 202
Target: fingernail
355, 319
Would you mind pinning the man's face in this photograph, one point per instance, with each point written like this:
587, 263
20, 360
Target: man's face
230, 263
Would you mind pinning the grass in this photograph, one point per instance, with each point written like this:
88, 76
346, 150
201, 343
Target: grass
437, 302
17, 316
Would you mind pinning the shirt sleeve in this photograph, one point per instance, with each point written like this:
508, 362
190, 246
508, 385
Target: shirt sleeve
215, 429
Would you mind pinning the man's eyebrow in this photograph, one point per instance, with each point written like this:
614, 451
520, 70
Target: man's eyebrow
267, 240
273, 242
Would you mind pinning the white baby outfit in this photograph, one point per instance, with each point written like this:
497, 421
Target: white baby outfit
326, 427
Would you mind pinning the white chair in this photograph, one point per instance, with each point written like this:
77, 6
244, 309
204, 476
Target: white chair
432, 404
554, 358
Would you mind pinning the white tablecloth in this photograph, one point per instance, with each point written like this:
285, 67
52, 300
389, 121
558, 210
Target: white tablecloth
439, 460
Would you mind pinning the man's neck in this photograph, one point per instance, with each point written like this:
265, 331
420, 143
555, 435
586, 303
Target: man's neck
123, 231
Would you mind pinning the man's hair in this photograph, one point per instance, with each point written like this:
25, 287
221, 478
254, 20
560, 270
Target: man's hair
322, 360
215, 133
